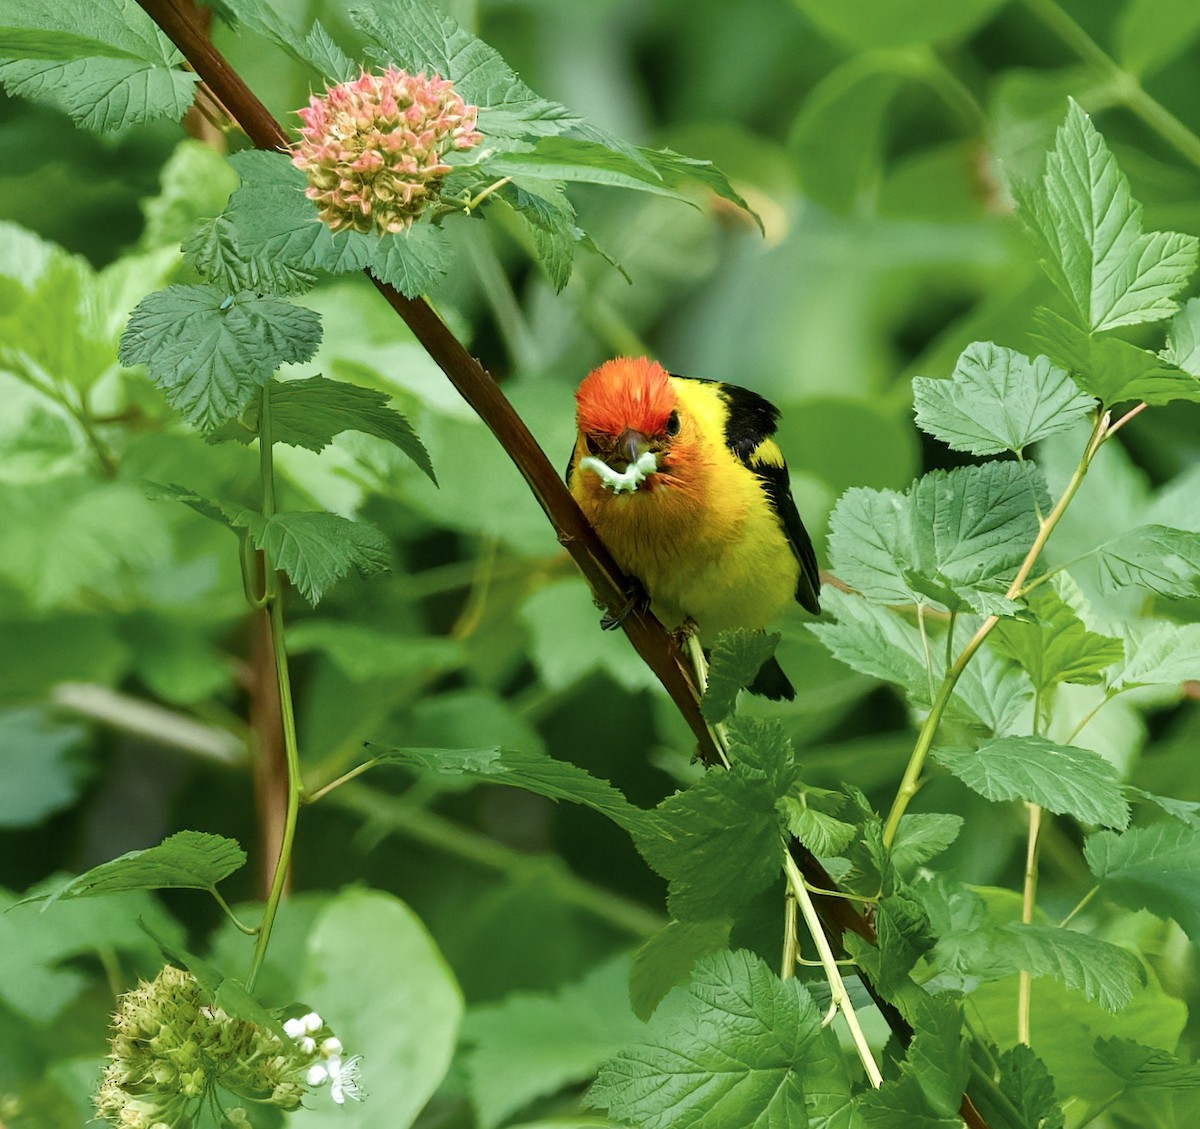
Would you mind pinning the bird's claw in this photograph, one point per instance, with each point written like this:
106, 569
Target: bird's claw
635, 597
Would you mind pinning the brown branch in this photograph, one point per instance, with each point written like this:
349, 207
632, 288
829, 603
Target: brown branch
650, 639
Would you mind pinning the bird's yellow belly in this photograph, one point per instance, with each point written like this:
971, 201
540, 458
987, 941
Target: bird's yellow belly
721, 566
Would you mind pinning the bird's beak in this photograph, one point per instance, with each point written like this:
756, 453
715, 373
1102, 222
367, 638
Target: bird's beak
633, 445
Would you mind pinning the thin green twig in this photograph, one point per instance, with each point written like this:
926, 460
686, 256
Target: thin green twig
279, 653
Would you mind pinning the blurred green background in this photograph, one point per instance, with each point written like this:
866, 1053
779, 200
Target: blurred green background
875, 139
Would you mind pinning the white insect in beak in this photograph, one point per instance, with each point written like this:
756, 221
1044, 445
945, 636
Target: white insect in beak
620, 481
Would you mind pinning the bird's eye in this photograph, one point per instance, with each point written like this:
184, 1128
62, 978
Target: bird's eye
673, 424
592, 446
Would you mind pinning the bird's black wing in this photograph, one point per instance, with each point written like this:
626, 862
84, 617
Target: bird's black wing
748, 429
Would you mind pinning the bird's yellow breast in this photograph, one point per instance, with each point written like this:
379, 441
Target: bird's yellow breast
700, 535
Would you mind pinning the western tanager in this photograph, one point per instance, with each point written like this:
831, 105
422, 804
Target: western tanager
685, 486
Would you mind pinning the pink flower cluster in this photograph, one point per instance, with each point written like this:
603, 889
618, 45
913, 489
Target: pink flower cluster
372, 149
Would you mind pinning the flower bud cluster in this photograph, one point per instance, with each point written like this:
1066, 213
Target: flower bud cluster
171, 1049
372, 149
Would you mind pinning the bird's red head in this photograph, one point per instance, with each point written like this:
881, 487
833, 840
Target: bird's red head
626, 394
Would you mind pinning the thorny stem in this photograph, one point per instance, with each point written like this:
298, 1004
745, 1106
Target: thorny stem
829, 964
911, 781
291, 750
1025, 981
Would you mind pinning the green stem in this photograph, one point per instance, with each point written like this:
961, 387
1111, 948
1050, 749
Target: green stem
911, 781
829, 965
1029, 896
345, 778
249, 930
291, 750
1125, 86
1080, 906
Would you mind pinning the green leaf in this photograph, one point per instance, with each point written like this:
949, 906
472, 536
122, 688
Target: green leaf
544, 208
660, 172
1146, 1068
209, 356
1061, 778
310, 412
667, 959
998, 400
1155, 868
901, 1105
920, 837
215, 251
1026, 1083
1057, 647
822, 833
531, 1045
105, 63
187, 860
959, 534
902, 937
535, 772
223, 513
1158, 653
734, 663
739, 1049
419, 37
1104, 972
1090, 229
1165, 560
1113, 370
362, 940
40, 764
717, 843
317, 549
939, 1055
1183, 338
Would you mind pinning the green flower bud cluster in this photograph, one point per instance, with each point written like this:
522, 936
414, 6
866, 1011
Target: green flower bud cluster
172, 1050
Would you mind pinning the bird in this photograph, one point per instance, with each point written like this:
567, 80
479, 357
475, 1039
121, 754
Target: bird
685, 486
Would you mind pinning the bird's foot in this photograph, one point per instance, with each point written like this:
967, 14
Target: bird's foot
635, 598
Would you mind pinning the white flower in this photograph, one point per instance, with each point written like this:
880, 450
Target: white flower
317, 1075
307, 1045
293, 1028
344, 1079
312, 1023
331, 1046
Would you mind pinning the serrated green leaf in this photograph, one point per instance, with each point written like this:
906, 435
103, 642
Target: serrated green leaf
324, 54
310, 412
823, 834
921, 837
660, 172
1158, 653
1104, 972
871, 543
1146, 1068
1026, 1083
717, 843
1165, 560
901, 1105
419, 37
1090, 229
667, 959
742, 1048
535, 772
902, 935
998, 400
873, 640
1061, 778
530, 1045
1186, 811
544, 208
1183, 338
104, 63
215, 251
210, 356
734, 664
956, 537
1110, 369
230, 516
187, 860
317, 549
939, 1055
1155, 868
1057, 647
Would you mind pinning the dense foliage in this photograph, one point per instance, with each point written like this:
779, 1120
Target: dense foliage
954, 241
